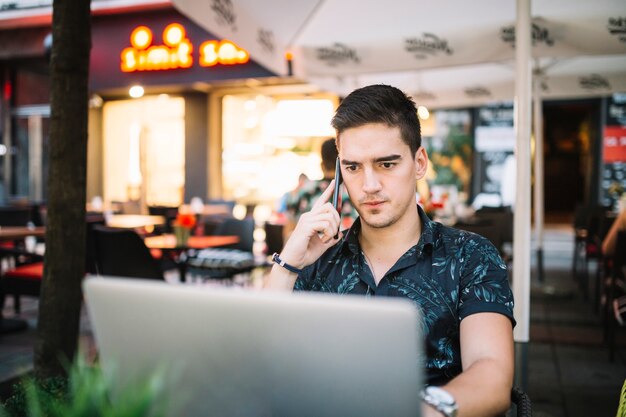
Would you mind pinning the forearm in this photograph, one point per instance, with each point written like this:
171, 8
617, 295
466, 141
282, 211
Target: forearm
280, 279
484, 389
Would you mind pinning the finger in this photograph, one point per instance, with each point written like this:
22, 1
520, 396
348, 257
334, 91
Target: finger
323, 213
326, 195
324, 229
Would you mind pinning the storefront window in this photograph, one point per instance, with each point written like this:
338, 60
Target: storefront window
144, 150
269, 141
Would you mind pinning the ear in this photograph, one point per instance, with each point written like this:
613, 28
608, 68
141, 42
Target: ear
421, 163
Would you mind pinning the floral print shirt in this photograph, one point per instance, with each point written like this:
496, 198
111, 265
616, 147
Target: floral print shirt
450, 274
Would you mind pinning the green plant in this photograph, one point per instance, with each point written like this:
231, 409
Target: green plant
87, 393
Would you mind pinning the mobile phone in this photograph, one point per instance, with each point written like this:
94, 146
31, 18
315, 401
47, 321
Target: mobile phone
336, 193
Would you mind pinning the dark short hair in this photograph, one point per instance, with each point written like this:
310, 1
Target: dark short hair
379, 104
329, 153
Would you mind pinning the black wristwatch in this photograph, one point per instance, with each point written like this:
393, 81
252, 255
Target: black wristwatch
441, 400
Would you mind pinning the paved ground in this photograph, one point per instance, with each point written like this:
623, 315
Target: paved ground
568, 374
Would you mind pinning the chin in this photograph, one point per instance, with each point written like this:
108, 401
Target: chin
376, 222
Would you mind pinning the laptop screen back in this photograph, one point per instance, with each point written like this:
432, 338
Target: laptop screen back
242, 353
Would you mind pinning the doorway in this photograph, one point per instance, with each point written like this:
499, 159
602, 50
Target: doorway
570, 137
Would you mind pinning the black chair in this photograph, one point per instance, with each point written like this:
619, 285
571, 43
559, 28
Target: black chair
25, 278
615, 286
591, 223
227, 261
502, 221
121, 252
93, 220
521, 402
15, 216
242, 228
486, 228
273, 238
169, 213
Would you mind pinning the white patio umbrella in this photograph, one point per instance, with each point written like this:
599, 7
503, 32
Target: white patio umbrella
343, 39
448, 53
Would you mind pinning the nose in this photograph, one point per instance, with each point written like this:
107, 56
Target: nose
371, 182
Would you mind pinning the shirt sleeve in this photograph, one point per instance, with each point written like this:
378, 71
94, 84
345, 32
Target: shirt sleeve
304, 280
484, 286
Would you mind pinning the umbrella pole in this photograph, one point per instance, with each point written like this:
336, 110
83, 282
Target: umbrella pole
538, 189
521, 229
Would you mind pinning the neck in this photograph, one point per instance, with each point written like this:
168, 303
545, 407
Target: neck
393, 240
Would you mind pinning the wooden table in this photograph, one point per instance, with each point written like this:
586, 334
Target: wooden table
133, 221
168, 243
20, 232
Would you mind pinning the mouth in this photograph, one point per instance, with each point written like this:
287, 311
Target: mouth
373, 204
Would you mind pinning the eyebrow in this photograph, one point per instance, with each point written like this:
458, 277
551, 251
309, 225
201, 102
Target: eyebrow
388, 158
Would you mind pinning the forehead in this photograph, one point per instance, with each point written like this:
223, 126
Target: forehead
371, 141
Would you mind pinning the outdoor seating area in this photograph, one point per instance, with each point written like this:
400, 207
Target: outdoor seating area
570, 373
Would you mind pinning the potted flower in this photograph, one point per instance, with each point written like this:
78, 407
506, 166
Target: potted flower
183, 225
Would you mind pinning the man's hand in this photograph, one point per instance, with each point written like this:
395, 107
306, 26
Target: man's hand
312, 236
314, 233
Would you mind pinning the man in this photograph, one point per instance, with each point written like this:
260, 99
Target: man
393, 249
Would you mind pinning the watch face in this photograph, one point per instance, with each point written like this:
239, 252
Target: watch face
441, 395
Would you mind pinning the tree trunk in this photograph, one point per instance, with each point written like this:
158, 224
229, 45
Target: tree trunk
61, 294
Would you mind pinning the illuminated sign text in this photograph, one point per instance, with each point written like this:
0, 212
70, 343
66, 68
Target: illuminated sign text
176, 51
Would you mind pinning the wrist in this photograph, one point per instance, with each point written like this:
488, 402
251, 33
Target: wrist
277, 259
441, 400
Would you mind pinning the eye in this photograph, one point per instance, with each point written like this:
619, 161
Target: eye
350, 168
388, 165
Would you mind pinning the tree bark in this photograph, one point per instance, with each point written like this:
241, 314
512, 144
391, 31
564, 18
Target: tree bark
64, 263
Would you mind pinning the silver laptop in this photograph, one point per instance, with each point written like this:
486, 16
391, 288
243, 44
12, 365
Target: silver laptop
234, 352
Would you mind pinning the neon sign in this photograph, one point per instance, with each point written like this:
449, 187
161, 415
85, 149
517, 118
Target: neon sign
224, 52
176, 51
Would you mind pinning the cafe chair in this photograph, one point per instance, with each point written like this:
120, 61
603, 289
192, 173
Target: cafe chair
614, 296
15, 216
169, 213
273, 238
25, 278
591, 224
227, 261
521, 402
19, 281
244, 229
121, 252
484, 227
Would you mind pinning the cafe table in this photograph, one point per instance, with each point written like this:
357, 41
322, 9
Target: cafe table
167, 243
20, 232
133, 221
8, 233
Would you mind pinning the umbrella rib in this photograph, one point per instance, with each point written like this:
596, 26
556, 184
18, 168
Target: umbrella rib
305, 23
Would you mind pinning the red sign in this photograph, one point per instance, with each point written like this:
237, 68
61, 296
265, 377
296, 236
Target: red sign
614, 144
176, 51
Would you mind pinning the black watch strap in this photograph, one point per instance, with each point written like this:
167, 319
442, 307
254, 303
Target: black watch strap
276, 259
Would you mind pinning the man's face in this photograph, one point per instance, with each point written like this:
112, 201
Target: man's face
380, 173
